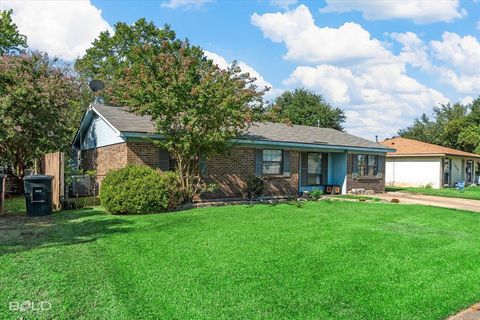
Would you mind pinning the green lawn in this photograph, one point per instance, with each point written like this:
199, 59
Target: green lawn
472, 192
313, 260
15, 205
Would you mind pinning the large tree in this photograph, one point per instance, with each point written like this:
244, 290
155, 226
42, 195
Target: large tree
111, 54
453, 125
40, 106
305, 107
196, 106
10, 39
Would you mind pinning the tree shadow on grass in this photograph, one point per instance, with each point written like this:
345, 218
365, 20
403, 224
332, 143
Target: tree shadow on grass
21, 233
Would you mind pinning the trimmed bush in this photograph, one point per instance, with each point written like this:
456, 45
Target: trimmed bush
315, 194
139, 190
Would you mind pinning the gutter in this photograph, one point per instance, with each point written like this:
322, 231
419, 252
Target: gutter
138, 136
308, 146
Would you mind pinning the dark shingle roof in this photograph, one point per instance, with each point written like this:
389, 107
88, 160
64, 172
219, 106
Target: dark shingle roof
124, 121
305, 134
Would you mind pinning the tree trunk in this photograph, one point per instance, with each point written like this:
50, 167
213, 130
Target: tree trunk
188, 175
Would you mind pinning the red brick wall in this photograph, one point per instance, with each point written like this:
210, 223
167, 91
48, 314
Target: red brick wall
229, 172
376, 184
104, 159
142, 153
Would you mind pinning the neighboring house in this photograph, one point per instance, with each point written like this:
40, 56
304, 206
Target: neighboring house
292, 159
417, 163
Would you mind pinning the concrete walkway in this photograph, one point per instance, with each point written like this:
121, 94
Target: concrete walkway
445, 202
472, 313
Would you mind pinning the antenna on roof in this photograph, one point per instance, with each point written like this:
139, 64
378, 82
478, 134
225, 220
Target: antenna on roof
95, 86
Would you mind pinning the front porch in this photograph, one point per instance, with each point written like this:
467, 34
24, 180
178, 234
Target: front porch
457, 169
320, 169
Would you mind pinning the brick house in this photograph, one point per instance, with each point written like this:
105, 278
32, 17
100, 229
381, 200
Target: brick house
291, 159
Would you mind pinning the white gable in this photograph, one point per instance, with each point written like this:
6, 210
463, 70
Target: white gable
99, 134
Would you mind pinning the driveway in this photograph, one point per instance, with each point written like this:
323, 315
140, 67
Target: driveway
454, 203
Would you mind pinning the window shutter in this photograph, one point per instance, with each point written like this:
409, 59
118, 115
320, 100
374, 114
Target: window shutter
258, 162
303, 169
324, 168
380, 166
163, 160
354, 166
202, 167
286, 163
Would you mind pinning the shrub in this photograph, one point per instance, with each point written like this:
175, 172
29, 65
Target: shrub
315, 194
139, 190
428, 186
254, 188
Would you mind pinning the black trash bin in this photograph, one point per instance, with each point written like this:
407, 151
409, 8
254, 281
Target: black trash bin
38, 195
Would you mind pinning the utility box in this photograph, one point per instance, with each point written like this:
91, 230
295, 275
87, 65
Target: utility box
3, 177
38, 195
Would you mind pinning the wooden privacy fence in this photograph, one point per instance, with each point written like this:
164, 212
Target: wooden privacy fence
52, 164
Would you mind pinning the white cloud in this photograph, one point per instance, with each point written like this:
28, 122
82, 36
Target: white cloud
466, 100
414, 51
307, 42
353, 70
463, 53
284, 4
260, 81
460, 57
469, 84
184, 3
420, 11
378, 99
217, 59
61, 28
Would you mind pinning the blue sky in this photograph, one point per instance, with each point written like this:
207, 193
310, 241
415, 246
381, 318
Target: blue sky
383, 62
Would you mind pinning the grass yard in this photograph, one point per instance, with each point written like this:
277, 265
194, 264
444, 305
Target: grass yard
15, 204
314, 260
471, 192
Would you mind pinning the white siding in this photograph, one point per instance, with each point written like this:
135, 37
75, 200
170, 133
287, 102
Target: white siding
413, 171
99, 134
458, 170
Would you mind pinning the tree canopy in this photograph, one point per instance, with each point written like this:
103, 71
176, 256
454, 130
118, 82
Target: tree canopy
10, 39
196, 106
453, 125
40, 106
112, 54
305, 107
